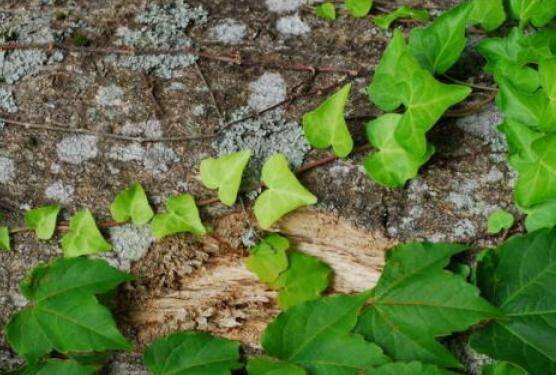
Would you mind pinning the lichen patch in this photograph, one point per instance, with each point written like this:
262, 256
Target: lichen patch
76, 149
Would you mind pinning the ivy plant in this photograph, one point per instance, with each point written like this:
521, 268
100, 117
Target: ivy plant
64, 314
84, 236
517, 278
503, 368
326, 125
499, 220
132, 204
326, 11
268, 259
43, 221
5, 239
284, 194
359, 8
182, 216
225, 174
385, 20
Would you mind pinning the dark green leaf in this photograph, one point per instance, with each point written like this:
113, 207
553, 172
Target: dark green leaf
503, 368
412, 368
269, 366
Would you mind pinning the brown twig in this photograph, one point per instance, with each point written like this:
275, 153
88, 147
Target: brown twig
211, 93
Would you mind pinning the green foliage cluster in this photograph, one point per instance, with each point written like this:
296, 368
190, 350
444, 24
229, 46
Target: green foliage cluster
297, 277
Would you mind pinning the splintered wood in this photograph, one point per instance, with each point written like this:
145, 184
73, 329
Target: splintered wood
225, 298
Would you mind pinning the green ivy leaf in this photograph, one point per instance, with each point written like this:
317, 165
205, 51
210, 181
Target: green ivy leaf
132, 203
326, 125
182, 216
305, 279
520, 140
503, 368
412, 368
268, 258
547, 73
538, 12
67, 367
83, 238
269, 366
518, 279
192, 353
384, 21
225, 174
537, 182
439, 46
416, 300
284, 193
392, 165
65, 315
499, 220
43, 221
490, 14
326, 11
540, 216
5, 239
310, 335
359, 8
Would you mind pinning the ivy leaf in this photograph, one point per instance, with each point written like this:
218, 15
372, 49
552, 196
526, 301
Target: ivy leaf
310, 335
68, 367
384, 21
540, 216
490, 14
284, 193
326, 11
412, 368
499, 220
192, 353
326, 125
268, 258
225, 175
399, 80
416, 300
132, 203
64, 315
520, 140
518, 278
359, 8
182, 216
5, 239
503, 368
269, 366
83, 238
537, 182
547, 73
43, 221
392, 165
305, 279
439, 46
538, 12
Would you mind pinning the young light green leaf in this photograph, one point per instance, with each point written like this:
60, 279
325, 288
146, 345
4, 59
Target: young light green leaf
326, 125
310, 335
83, 238
359, 8
284, 193
43, 221
392, 165
268, 258
269, 366
490, 14
538, 12
416, 300
503, 368
66, 367
326, 11
517, 278
411, 368
5, 239
439, 46
182, 216
62, 295
132, 203
225, 174
499, 220
192, 353
537, 182
384, 21
305, 279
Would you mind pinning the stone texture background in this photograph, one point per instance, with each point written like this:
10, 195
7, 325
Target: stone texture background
160, 96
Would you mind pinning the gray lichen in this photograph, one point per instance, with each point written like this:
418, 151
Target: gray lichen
109, 96
292, 25
266, 135
229, 31
59, 192
76, 149
7, 170
268, 90
130, 243
163, 26
7, 101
